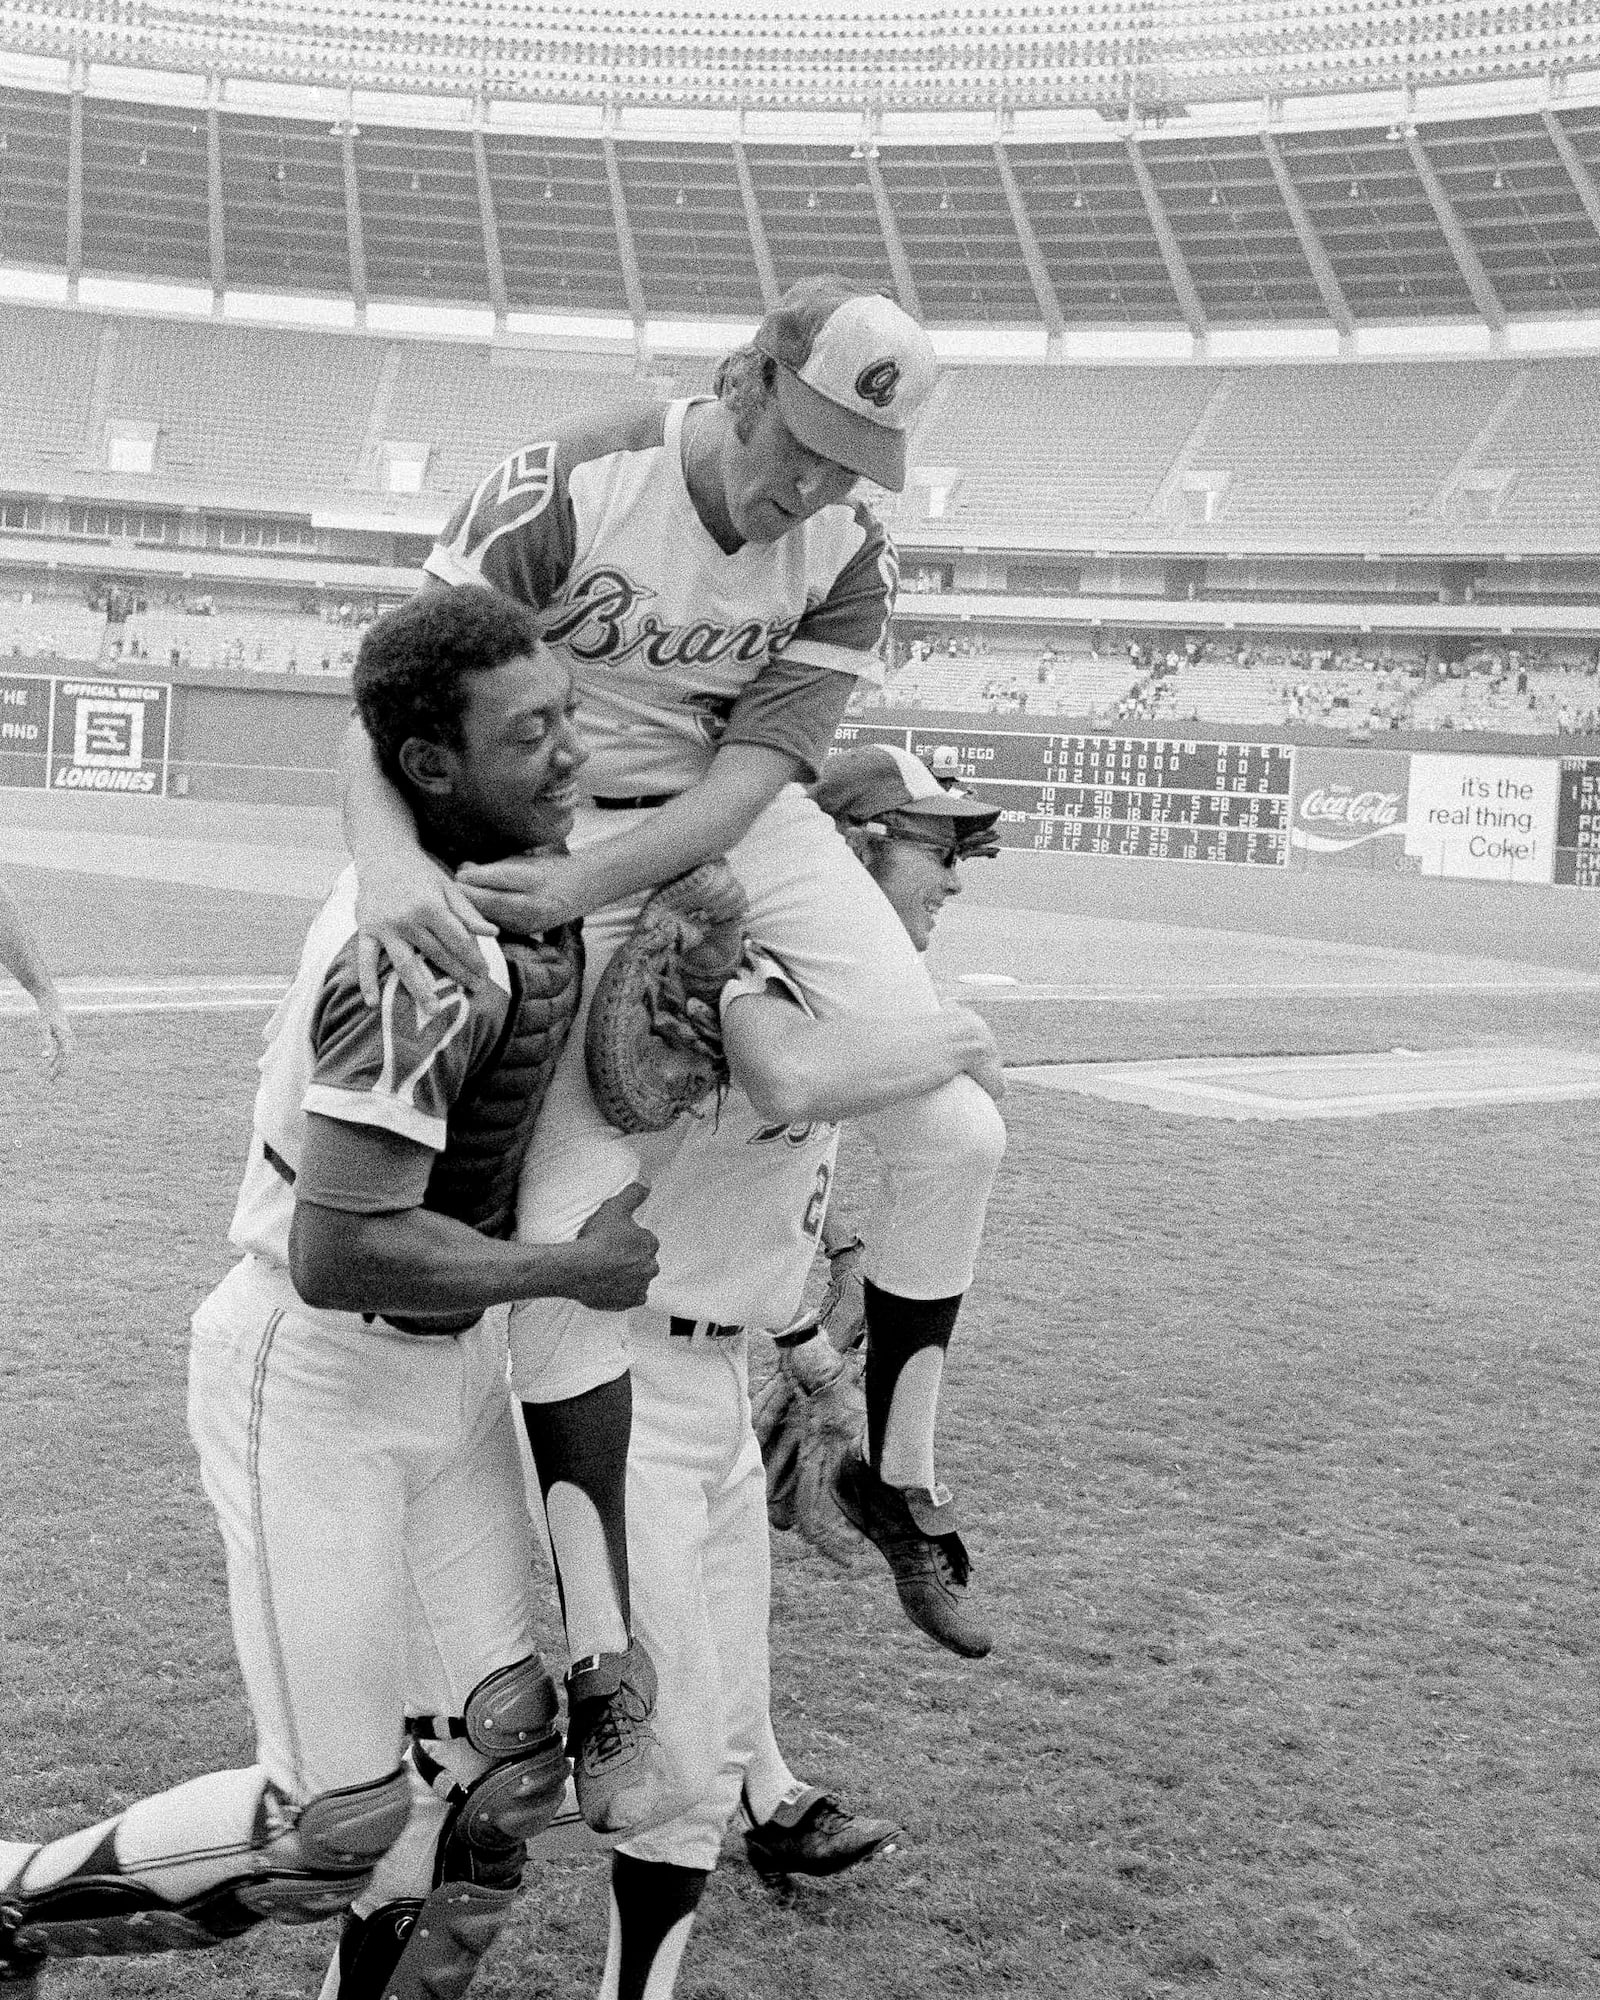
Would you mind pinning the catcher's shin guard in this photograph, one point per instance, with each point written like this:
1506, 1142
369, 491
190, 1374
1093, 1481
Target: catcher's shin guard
495, 1776
194, 1866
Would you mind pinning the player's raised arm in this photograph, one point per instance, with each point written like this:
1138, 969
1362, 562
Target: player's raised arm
407, 906
707, 819
795, 1069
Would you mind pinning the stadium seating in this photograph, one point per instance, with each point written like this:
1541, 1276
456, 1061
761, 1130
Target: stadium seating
235, 641
1048, 457
767, 54
49, 627
471, 413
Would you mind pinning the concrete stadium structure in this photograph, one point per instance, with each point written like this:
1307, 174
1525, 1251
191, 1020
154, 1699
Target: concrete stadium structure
1275, 329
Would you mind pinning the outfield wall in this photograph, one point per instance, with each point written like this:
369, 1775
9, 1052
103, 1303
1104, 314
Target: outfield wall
1469, 813
1453, 806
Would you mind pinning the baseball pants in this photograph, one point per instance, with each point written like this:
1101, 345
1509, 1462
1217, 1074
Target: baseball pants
702, 1579
817, 909
369, 1492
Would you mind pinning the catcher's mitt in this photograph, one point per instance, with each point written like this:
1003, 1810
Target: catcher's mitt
653, 1043
771, 1399
829, 1421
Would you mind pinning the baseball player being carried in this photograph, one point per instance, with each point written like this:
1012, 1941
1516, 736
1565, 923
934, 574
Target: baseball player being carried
706, 571
348, 1402
739, 1203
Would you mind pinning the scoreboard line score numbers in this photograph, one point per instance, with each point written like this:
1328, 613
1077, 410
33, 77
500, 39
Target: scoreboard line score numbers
1577, 861
1149, 797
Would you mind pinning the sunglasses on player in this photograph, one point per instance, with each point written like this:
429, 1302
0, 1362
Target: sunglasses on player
950, 846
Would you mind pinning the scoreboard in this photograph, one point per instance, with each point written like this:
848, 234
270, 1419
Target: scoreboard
1578, 824
1153, 797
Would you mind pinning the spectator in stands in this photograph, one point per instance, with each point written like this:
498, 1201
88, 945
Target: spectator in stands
22, 958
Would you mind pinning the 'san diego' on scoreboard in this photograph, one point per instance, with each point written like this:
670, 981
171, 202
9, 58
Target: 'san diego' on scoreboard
1154, 797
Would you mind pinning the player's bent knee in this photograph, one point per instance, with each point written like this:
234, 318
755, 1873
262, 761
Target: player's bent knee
511, 1708
958, 1124
203, 1863
497, 1773
500, 1769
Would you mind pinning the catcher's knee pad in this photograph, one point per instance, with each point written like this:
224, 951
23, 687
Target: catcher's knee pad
201, 1863
499, 1767
496, 1773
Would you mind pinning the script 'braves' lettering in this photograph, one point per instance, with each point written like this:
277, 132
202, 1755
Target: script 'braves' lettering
597, 624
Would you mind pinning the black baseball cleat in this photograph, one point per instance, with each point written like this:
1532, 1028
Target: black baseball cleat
915, 1533
814, 1835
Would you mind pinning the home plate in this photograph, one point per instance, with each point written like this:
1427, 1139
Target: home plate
1347, 1086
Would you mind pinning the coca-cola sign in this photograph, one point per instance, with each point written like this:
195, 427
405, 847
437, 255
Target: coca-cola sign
1359, 815
1349, 808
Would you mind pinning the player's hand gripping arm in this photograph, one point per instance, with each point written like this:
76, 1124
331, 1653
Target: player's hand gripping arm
407, 906
794, 1068
21, 957
413, 1261
526, 897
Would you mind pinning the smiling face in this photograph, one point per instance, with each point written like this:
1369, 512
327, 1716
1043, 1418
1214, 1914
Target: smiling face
510, 784
771, 482
918, 880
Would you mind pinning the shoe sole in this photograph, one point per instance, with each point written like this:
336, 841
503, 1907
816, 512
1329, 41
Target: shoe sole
769, 1867
858, 1517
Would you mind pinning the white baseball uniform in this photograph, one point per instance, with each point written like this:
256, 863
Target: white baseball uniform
676, 647
738, 1208
366, 1481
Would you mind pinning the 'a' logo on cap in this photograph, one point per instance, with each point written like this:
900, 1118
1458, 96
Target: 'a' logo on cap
878, 381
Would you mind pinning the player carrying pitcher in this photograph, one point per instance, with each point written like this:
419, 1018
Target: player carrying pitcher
717, 589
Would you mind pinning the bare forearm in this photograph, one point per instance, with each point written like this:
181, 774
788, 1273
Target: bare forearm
377, 820
848, 1068
417, 1262
708, 819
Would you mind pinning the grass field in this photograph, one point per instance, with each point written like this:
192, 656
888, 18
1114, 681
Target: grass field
1278, 1445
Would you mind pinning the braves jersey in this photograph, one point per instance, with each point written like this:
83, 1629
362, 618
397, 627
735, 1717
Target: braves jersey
663, 631
739, 1207
328, 1052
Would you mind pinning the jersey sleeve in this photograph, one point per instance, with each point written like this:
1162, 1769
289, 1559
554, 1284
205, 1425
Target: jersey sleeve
845, 630
517, 532
761, 976
794, 707
361, 1169
391, 1066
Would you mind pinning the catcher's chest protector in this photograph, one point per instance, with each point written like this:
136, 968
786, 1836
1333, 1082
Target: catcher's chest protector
474, 1180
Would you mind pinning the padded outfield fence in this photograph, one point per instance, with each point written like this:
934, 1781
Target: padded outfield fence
1242, 798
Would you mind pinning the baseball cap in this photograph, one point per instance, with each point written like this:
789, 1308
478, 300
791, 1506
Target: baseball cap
853, 370
877, 779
